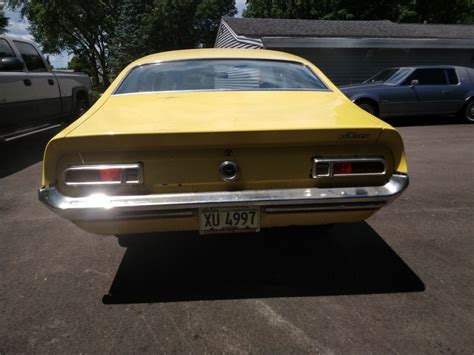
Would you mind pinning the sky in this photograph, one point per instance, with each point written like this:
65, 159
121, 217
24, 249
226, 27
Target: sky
240, 4
18, 27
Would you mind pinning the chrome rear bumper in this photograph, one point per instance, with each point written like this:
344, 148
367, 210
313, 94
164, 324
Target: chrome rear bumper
103, 207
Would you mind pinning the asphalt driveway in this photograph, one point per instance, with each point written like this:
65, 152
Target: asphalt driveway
401, 282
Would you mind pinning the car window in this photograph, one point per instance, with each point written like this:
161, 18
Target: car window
220, 74
452, 76
31, 57
5, 49
389, 76
427, 77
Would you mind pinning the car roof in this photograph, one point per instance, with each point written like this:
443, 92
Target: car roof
218, 53
21, 39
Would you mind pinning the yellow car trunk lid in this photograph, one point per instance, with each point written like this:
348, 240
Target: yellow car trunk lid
225, 111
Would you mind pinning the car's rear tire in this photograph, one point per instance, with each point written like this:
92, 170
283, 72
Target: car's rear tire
369, 106
469, 111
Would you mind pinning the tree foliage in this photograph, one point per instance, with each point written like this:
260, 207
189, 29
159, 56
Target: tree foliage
77, 26
148, 26
3, 22
419, 11
131, 34
80, 62
111, 33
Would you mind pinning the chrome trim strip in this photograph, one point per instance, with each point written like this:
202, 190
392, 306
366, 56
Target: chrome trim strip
103, 207
149, 214
352, 160
216, 90
326, 207
29, 133
137, 166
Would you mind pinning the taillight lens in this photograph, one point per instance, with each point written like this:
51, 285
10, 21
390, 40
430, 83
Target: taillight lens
342, 168
104, 174
110, 175
328, 167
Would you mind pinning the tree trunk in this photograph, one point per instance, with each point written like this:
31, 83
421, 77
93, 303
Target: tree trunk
105, 74
94, 71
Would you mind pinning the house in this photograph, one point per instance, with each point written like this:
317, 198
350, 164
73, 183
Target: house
352, 51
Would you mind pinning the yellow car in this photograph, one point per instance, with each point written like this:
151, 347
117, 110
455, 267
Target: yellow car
221, 141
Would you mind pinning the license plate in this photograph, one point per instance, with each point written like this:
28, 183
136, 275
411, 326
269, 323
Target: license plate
229, 220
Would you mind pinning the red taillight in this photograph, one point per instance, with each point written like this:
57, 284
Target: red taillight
342, 168
329, 167
110, 175
101, 174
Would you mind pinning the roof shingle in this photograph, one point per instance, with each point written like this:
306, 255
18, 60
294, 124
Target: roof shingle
264, 27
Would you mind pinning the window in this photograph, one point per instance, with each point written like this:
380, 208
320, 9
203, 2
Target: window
452, 76
427, 77
31, 57
5, 49
389, 76
220, 74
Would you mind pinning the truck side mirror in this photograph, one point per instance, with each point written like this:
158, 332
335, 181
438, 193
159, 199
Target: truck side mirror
414, 82
11, 64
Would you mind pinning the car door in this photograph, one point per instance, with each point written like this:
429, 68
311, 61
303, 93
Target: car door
432, 90
17, 99
44, 83
398, 100
395, 99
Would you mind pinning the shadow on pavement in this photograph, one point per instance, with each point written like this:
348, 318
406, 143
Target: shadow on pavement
21, 153
304, 261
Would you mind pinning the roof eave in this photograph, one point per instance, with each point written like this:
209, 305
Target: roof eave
347, 42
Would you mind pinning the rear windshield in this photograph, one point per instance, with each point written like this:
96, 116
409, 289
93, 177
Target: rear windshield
220, 74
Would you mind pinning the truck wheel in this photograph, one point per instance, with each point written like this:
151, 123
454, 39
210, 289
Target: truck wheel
82, 105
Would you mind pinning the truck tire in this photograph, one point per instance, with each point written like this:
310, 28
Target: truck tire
82, 105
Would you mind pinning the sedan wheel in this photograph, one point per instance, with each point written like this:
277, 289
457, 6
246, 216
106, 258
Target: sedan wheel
366, 106
470, 111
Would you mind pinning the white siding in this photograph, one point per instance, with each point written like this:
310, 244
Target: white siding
228, 39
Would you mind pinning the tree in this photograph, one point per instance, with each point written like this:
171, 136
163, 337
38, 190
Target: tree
112, 33
208, 17
419, 11
439, 11
77, 26
131, 38
149, 26
322, 9
3, 22
80, 62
